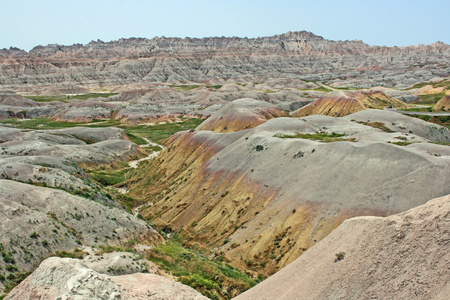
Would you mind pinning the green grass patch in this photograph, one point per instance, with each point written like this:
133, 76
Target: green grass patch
152, 149
445, 84
318, 136
108, 176
76, 253
127, 202
39, 123
322, 89
440, 120
158, 133
13, 279
66, 98
430, 98
347, 88
192, 268
418, 109
107, 179
440, 143
378, 125
135, 138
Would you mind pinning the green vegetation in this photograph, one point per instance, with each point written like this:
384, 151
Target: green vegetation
157, 133
347, 88
259, 148
39, 123
152, 149
212, 278
418, 109
322, 89
339, 256
403, 138
66, 98
430, 98
14, 278
136, 139
107, 178
378, 125
34, 235
445, 84
318, 136
440, 120
76, 253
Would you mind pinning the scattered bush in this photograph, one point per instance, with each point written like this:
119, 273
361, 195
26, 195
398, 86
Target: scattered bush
34, 235
259, 148
339, 256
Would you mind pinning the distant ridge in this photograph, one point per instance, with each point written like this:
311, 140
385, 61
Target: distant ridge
294, 55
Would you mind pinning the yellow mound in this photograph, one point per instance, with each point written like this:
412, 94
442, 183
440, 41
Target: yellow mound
342, 103
443, 104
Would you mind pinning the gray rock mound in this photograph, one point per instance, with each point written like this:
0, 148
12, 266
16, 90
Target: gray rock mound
38, 221
65, 278
241, 114
404, 124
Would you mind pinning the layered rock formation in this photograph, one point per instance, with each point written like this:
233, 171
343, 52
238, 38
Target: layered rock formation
291, 55
241, 114
443, 104
38, 221
404, 256
342, 103
146, 106
265, 195
49, 204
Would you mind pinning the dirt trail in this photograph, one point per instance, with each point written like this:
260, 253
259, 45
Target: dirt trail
134, 163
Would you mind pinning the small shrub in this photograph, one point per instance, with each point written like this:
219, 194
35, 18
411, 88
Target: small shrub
11, 268
339, 256
259, 148
185, 255
34, 235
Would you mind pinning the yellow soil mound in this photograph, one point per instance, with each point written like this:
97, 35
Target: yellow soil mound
342, 103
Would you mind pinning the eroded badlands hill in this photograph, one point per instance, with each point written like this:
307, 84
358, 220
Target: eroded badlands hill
342, 103
267, 194
78, 68
404, 256
241, 114
65, 278
443, 104
49, 204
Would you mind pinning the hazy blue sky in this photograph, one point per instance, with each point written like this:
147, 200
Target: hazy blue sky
27, 23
